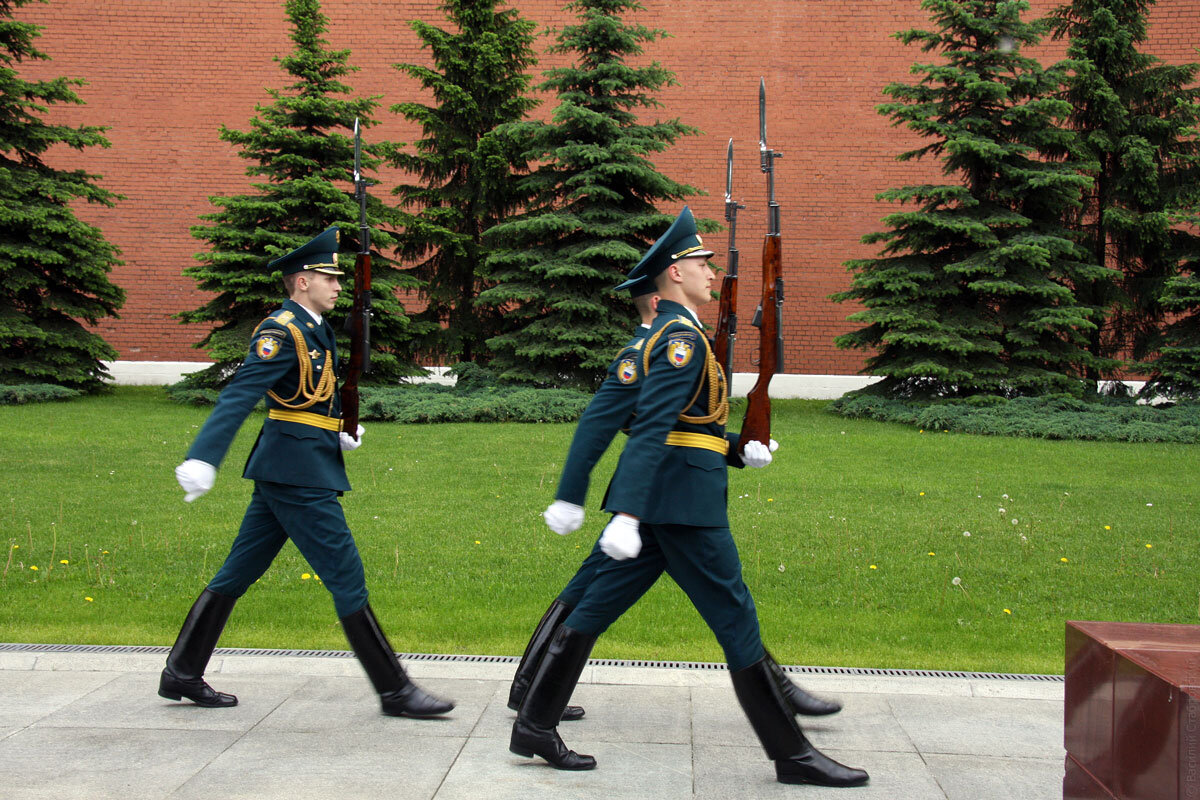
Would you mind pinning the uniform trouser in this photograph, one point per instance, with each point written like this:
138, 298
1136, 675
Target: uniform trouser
573, 592
313, 519
705, 564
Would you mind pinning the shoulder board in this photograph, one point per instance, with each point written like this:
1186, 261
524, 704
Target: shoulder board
280, 318
688, 331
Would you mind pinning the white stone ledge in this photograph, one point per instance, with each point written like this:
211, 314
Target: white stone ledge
810, 387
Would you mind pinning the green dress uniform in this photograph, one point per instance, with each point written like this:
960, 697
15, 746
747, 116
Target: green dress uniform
296, 463
672, 476
299, 474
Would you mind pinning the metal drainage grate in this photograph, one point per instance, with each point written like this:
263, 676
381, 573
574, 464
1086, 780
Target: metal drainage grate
601, 662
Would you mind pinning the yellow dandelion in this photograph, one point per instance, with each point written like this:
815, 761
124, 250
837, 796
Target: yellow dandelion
476, 541
1007, 611
89, 599
1108, 527
64, 561
1063, 560
921, 494
305, 576
770, 499
874, 567
33, 567
1148, 546
932, 553
16, 547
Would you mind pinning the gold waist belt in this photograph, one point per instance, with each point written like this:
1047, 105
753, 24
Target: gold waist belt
718, 444
306, 418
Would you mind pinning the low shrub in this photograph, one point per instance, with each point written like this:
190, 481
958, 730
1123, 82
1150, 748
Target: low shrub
20, 394
1098, 418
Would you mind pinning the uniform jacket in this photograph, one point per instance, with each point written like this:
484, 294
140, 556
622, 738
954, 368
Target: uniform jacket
287, 452
607, 412
662, 483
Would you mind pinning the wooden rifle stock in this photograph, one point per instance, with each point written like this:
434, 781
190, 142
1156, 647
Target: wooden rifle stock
360, 343
726, 320
757, 423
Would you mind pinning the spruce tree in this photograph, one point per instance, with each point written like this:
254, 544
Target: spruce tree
53, 267
478, 81
592, 213
302, 146
972, 292
1176, 370
1136, 118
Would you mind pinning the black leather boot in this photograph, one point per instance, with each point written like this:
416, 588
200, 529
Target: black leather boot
542, 634
398, 695
184, 673
534, 732
800, 701
796, 760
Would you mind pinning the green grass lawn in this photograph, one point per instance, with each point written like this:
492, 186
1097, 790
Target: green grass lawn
865, 544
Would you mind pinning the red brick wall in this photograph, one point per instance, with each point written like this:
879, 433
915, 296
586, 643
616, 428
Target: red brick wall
165, 75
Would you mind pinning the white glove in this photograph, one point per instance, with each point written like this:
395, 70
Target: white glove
621, 539
563, 517
348, 442
195, 477
757, 455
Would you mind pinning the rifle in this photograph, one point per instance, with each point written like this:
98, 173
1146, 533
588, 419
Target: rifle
359, 322
727, 310
768, 317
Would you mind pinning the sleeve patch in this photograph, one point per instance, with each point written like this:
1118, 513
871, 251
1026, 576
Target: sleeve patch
268, 344
627, 371
680, 350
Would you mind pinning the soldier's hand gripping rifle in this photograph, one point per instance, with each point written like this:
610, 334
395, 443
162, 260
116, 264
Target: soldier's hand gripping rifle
727, 310
769, 316
359, 323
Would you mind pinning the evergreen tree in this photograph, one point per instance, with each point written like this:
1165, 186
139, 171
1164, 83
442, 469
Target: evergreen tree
1176, 371
478, 81
1136, 119
302, 145
53, 267
972, 292
592, 211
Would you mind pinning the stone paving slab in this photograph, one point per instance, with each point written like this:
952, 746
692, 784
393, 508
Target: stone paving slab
299, 765
983, 726
95, 764
30, 696
973, 777
90, 725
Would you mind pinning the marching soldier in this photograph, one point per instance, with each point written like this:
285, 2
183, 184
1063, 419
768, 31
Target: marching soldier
668, 497
298, 472
610, 410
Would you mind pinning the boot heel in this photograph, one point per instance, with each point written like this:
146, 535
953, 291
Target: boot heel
521, 751
170, 695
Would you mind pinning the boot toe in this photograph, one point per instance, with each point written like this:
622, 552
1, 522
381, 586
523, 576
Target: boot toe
818, 769
414, 702
808, 705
